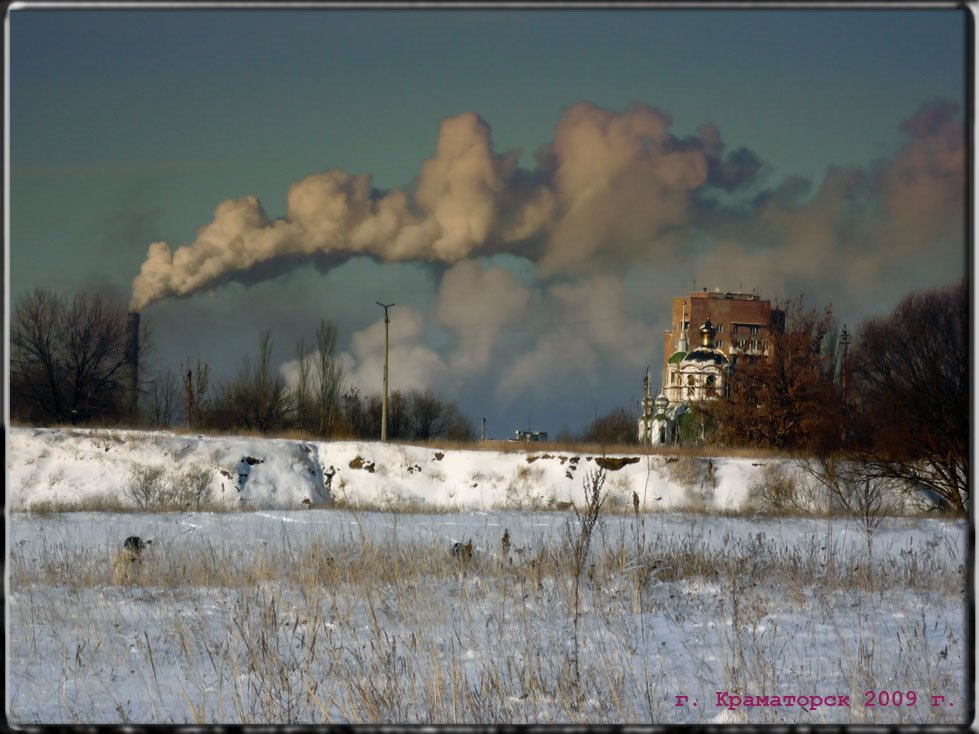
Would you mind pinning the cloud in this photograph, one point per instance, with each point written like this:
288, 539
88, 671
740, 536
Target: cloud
620, 182
859, 227
477, 303
590, 333
411, 364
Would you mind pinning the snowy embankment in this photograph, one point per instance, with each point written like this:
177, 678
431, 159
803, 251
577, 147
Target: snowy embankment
63, 466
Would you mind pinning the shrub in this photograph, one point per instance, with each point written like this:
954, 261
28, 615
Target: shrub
194, 487
686, 471
775, 491
148, 487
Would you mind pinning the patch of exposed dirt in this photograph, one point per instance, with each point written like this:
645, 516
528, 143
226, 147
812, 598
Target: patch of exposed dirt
531, 459
439, 456
358, 463
613, 464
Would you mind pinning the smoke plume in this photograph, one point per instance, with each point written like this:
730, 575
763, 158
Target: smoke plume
610, 185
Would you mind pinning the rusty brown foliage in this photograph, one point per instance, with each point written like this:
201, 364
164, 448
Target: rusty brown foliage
787, 401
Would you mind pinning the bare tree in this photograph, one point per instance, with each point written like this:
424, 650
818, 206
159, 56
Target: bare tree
196, 402
456, 426
854, 487
426, 414
302, 395
257, 398
36, 371
164, 397
67, 358
911, 378
362, 414
399, 416
329, 378
616, 427
412, 416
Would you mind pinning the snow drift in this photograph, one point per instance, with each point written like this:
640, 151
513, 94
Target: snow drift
67, 465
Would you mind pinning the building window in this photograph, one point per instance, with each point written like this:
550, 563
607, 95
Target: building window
710, 380
690, 379
720, 329
754, 329
720, 343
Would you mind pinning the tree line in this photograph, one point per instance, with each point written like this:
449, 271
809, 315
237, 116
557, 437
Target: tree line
893, 398
68, 364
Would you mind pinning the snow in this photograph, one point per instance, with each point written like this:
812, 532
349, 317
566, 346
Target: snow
71, 465
488, 645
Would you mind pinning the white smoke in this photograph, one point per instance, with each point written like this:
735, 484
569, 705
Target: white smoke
411, 364
612, 184
478, 303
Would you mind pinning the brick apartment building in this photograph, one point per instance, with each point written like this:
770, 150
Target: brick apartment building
742, 322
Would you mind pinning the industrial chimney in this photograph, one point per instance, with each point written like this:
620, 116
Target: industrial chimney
132, 362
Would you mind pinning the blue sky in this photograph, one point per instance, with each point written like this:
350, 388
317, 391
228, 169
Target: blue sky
129, 127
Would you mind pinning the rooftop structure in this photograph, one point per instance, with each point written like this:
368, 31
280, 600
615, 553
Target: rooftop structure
742, 323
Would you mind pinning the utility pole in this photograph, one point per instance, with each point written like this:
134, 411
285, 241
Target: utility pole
384, 399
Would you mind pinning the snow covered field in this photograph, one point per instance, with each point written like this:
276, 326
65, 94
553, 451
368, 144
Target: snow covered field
277, 615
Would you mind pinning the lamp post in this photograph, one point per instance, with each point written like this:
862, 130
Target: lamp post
384, 398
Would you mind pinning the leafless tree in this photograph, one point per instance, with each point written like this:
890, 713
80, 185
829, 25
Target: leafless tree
911, 375
617, 427
164, 398
425, 415
257, 398
67, 357
196, 402
329, 378
854, 487
302, 395
362, 414
456, 426
412, 416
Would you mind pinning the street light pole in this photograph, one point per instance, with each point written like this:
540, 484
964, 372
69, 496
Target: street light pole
384, 398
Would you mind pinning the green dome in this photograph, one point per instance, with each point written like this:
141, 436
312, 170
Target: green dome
677, 357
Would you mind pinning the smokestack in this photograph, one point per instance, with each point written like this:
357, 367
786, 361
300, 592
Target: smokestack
132, 361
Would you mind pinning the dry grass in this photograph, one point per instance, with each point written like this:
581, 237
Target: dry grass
350, 630
91, 503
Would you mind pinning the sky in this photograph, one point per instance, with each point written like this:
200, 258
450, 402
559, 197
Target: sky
529, 187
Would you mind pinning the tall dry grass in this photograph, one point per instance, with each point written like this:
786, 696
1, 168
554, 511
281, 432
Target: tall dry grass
349, 630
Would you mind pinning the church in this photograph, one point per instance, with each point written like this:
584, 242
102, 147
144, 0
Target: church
701, 374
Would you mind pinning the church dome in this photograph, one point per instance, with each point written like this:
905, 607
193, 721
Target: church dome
706, 355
